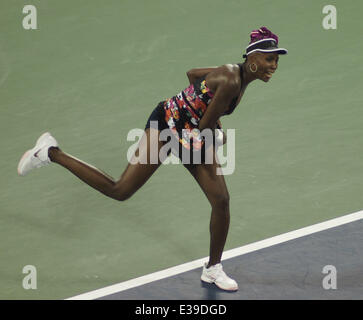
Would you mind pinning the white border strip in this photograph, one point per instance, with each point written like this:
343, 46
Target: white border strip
226, 255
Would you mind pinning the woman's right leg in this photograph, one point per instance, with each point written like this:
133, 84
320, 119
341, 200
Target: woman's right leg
133, 177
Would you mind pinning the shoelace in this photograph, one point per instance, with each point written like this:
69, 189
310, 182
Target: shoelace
221, 274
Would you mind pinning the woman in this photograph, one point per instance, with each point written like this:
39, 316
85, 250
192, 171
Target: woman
213, 92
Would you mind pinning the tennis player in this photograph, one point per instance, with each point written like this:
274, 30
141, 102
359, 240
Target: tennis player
212, 93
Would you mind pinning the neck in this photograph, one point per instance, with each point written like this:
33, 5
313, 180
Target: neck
248, 76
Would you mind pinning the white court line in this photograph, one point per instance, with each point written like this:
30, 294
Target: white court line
226, 255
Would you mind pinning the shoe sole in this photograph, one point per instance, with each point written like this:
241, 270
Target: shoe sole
28, 152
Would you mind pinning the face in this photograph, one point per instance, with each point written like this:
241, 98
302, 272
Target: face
266, 63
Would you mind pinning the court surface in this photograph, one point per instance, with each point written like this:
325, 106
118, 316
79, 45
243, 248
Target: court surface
92, 72
286, 271
281, 269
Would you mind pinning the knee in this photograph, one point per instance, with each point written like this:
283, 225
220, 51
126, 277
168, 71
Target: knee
221, 201
121, 195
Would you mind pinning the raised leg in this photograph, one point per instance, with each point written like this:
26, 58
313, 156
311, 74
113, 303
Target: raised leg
133, 177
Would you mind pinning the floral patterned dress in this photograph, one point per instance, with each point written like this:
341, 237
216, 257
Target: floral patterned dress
184, 111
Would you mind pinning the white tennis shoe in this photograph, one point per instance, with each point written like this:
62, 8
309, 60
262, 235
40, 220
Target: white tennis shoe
215, 274
38, 156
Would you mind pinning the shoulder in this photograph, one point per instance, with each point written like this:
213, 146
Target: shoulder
225, 76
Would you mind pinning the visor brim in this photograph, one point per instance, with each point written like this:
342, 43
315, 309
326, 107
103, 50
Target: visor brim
277, 50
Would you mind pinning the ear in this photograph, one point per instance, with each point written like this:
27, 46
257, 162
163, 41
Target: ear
253, 57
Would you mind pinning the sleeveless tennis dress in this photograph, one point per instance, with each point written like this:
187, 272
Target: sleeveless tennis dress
181, 114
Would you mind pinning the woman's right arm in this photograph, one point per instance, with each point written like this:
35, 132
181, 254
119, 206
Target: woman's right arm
196, 73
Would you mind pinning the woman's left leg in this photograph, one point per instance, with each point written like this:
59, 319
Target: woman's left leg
216, 191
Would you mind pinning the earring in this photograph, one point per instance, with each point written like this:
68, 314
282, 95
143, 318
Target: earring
255, 70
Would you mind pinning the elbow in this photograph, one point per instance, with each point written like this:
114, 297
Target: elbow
189, 72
